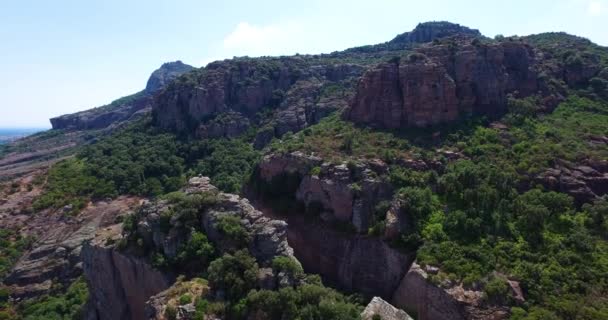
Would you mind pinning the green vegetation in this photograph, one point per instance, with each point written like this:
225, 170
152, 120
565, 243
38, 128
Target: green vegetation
309, 301
236, 274
140, 160
287, 265
232, 228
12, 245
484, 212
67, 306
70, 184
227, 162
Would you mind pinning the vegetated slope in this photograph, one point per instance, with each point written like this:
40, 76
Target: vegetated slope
492, 202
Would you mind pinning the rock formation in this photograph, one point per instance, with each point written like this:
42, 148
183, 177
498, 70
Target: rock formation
55, 258
424, 32
350, 261
440, 82
121, 282
378, 307
162, 76
348, 257
585, 182
337, 192
444, 301
245, 87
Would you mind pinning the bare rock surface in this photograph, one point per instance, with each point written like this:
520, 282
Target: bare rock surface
585, 182
449, 301
55, 257
383, 309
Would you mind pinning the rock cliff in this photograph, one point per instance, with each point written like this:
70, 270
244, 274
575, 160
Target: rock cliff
289, 87
120, 284
442, 81
335, 196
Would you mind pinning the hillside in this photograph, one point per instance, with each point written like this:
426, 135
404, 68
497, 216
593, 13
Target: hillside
444, 173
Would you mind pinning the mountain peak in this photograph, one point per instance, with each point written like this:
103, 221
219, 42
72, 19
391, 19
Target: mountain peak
429, 31
165, 74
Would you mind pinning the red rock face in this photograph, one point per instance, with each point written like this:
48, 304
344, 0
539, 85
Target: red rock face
442, 82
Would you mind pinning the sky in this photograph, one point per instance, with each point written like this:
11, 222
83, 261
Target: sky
62, 56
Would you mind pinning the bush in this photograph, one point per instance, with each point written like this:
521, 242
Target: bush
232, 228
496, 290
185, 299
198, 251
304, 302
236, 274
287, 265
64, 306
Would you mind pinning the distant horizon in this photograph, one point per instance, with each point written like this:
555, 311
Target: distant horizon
16, 130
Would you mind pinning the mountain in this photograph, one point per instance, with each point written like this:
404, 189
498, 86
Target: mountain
439, 175
125, 108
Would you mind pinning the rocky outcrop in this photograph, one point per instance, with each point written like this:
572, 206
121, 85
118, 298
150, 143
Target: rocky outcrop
157, 305
441, 82
128, 108
268, 237
380, 308
120, 284
584, 182
229, 125
55, 258
291, 86
162, 76
336, 195
336, 192
103, 117
447, 301
424, 32
429, 31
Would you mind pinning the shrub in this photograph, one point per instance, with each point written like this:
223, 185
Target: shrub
185, 299
231, 226
496, 290
236, 274
198, 251
287, 265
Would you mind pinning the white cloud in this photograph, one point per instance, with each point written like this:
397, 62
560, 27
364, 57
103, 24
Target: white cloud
279, 38
247, 35
596, 8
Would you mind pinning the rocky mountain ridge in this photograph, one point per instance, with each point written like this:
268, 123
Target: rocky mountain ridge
126, 108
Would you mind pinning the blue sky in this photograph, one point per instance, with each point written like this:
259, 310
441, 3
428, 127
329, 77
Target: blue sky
63, 56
